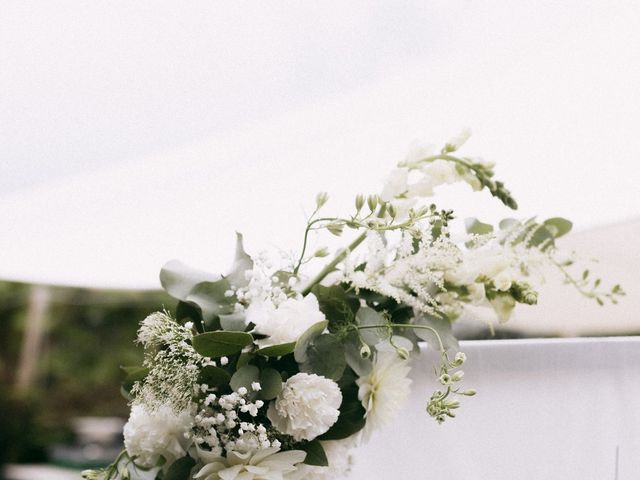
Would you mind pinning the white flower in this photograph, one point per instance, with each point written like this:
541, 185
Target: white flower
503, 280
306, 407
503, 305
395, 184
159, 433
384, 390
338, 457
263, 464
460, 139
285, 323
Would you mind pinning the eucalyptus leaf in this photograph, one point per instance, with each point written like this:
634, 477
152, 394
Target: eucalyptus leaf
352, 346
473, 225
214, 376
244, 377
180, 469
315, 453
221, 343
315, 330
277, 350
270, 383
178, 279
337, 305
325, 356
241, 263
442, 326
234, 322
369, 317
558, 226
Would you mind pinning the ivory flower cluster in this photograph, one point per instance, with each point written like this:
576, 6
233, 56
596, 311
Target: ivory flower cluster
270, 372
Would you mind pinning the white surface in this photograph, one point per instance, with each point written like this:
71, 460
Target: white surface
280, 102
40, 472
545, 409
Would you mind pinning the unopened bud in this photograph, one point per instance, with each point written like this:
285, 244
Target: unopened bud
403, 353
460, 358
469, 393
321, 252
321, 199
457, 376
359, 202
372, 202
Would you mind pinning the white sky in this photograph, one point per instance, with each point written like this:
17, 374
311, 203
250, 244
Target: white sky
124, 125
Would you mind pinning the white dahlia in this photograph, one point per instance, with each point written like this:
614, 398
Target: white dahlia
263, 464
306, 407
149, 435
384, 390
286, 322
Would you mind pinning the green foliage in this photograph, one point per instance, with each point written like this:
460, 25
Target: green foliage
473, 225
305, 340
277, 350
315, 453
337, 305
214, 376
244, 377
271, 384
221, 343
442, 326
180, 469
325, 356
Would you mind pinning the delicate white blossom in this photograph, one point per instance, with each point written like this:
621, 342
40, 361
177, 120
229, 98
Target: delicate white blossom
384, 390
306, 407
149, 435
264, 464
286, 322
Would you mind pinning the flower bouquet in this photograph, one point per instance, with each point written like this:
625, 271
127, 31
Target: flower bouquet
270, 373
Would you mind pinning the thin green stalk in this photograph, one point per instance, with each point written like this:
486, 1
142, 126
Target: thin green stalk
333, 263
401, 325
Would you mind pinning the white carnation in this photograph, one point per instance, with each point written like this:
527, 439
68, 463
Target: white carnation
159, 433
306, 407
285, 323
384, 390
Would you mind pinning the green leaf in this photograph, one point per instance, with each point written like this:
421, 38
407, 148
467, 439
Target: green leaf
351, 419
558, 226
442, 326
368, 316
315, 330
218, 344
214, 376
271, 383
241, 263
473, 225
541, 235
508, 223
233, 322
244, 377
200, 288
315, 453
180, 469
277, 350
178, 279
325, 356
338, 306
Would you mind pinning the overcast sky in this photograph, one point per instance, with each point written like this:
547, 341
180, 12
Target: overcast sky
123, 116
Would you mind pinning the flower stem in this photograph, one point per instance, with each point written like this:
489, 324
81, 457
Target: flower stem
403, 325
333, 263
